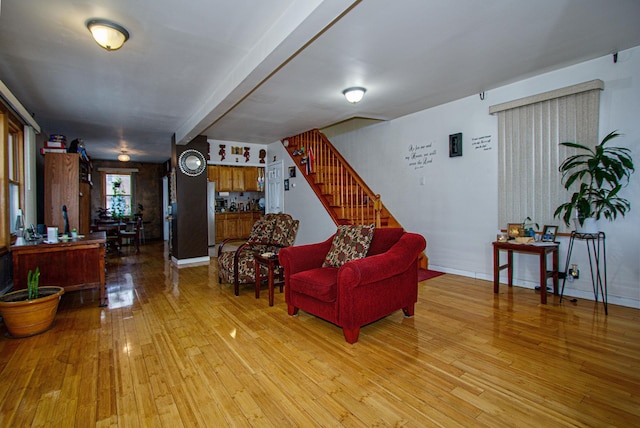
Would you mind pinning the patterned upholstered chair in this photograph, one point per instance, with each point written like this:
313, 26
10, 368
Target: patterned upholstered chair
269, 234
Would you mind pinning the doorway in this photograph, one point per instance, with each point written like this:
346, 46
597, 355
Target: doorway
275, 188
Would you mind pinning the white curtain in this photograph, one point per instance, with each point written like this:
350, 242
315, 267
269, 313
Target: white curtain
529, 133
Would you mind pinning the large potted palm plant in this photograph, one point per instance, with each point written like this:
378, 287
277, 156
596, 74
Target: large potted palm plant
601, 173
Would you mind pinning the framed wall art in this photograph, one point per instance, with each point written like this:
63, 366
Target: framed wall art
292, 171
455, 145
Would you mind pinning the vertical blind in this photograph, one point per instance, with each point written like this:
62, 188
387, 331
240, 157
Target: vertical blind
530, 131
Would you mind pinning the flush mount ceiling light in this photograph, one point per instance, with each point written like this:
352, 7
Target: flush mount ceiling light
108, 34
354, 94
124, 157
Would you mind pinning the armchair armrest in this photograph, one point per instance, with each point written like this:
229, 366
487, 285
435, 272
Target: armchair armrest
396, 260
304, 257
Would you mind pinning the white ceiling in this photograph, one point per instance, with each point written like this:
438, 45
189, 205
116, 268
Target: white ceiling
257, 71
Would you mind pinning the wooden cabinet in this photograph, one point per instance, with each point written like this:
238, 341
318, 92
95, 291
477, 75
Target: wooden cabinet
235, 225
225, 179
235, 178
251, 179
76, 264
245, 223
66, 182
212, 173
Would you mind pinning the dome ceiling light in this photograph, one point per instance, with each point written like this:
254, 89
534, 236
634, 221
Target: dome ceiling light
354, 94
108, 34
124, 157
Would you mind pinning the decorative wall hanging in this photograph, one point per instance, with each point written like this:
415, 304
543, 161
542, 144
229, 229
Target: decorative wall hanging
455, 145
192, 162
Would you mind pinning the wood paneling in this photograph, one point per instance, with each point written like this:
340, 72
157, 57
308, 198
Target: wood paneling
175, 348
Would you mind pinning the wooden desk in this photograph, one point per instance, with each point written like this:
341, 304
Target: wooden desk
76, 264
541, 250
272, 265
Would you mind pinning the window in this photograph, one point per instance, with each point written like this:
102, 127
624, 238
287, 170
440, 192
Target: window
15, 155
529, 133
117, 189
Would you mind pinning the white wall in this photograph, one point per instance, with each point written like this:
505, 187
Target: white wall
300, 201
216, 154
456, 208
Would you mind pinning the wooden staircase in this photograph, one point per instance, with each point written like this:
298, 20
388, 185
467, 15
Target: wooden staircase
345, 196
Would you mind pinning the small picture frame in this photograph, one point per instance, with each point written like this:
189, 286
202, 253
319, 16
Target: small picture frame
549, 233
514, 230
455, 145
292, 171
286, 184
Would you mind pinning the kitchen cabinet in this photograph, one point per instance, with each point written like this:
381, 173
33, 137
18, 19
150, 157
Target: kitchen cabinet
225, 179
67, 182
235, 178
212, 173
251, 179
235, 225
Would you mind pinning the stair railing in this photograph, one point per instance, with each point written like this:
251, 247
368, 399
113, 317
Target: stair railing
345, 195
342, 192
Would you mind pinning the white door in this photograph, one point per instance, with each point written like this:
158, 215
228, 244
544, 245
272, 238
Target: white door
275, 188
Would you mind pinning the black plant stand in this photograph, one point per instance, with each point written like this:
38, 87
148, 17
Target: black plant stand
597, 250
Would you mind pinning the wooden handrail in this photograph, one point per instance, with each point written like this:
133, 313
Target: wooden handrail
344, 195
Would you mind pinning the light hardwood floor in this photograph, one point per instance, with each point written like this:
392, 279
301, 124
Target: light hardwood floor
174, 348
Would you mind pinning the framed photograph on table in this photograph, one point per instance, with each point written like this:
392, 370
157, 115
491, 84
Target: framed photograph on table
514, 230
549, 233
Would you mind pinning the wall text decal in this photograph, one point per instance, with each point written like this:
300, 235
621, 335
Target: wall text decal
482, 143
420, 155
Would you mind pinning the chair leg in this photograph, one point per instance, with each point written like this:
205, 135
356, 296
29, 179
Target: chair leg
351, 334
292, 310
408, 311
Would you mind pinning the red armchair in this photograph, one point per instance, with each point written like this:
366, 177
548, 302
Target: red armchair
360, 291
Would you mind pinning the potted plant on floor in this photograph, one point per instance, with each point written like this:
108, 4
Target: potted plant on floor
32, 310
601, 172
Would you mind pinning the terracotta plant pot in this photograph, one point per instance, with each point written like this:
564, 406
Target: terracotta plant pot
24, 317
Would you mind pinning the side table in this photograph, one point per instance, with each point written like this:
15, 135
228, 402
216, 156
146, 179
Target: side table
542, 250
597, 263
272, 265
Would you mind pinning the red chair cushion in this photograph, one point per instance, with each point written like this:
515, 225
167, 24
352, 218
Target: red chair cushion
319, 283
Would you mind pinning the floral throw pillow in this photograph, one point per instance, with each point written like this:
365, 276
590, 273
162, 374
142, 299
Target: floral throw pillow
349, 243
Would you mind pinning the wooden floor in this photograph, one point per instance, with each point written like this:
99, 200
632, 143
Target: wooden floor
174, 348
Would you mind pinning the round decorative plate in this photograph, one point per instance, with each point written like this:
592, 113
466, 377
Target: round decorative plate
192, 162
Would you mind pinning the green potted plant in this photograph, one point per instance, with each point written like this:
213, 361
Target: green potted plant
32, 310
528, 227
601, 173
